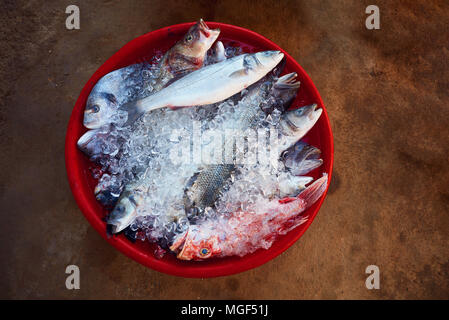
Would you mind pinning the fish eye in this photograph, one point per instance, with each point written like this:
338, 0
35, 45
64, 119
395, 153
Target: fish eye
189, 38
95, 108
204, 252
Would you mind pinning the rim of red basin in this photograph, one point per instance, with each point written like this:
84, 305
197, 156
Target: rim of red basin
76, 168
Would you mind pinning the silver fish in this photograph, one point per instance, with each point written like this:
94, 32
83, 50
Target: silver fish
295, 124
211, 84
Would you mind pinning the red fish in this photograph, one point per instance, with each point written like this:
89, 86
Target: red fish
245, 232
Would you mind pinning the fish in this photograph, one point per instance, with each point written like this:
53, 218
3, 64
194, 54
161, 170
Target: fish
217, 53
204, 188
187, 55
295, 124
198, 197
290, 185
90, 143
125, 211
108, 189
301, 158
99, 143
244, 232
208, 85
113, 89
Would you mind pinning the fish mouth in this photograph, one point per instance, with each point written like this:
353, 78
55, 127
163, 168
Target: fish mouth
206, 31
311, 111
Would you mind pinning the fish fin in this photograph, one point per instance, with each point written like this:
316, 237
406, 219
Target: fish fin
174, 108
239, 73
179, 241
133, 112
110, 97
313, 192
286, 200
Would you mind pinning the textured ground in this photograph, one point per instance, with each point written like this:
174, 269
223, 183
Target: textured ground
387, 94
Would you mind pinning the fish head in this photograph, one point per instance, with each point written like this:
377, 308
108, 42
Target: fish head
304, 117
86, 139
301, 158
196, 245
263, 61
92, 142
122, 215
218, 52
284, 90
198, 40
99, 108
299, 121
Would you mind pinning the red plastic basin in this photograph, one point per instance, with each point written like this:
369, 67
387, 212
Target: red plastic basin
82, 183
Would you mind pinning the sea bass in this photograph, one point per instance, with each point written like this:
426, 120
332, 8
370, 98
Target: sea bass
113, 89
211, 84
245, 232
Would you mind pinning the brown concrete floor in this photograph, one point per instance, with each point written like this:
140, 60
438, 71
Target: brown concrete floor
387, 94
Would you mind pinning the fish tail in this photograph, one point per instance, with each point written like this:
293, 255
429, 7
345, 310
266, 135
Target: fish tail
313, 192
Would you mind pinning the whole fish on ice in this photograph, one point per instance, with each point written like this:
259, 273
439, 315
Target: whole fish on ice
211, 84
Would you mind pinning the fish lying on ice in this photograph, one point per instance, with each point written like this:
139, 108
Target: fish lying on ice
245, 232
211, 84
112, 90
